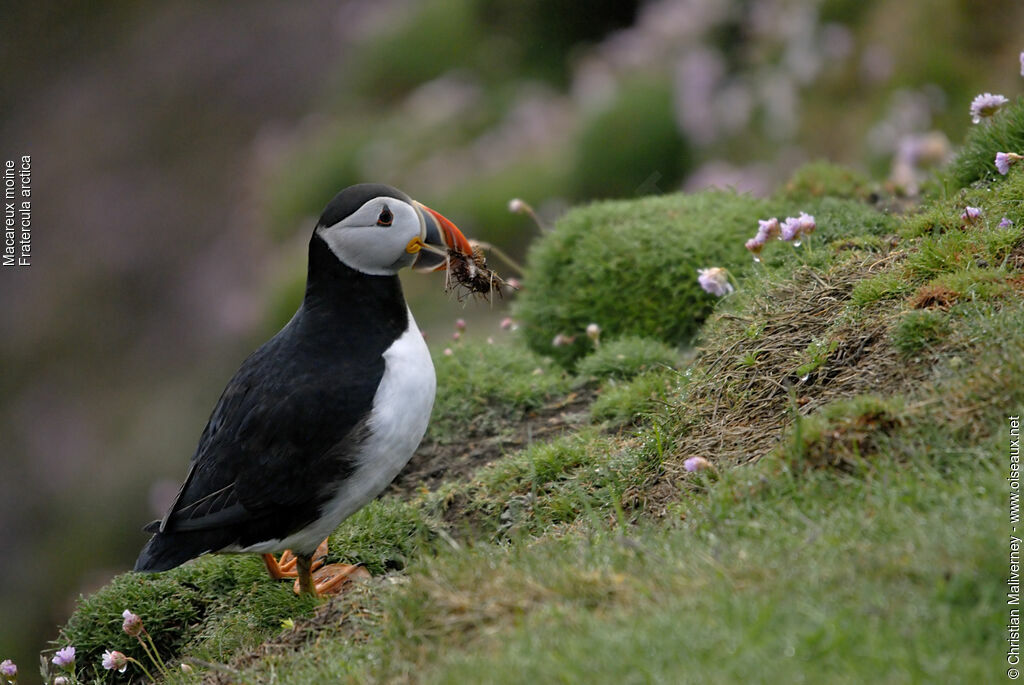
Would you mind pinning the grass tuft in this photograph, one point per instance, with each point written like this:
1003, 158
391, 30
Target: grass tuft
844, 435
626, 357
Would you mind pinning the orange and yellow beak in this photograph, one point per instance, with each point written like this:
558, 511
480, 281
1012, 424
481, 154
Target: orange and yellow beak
440, 235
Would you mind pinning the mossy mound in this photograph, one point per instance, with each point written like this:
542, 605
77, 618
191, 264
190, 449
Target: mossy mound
631, 267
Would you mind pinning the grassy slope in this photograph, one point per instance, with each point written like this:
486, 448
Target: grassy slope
859, 546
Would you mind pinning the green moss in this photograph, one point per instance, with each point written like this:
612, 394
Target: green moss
631, 267
887, 285
822, 178
961, 249
632, 147
481, 385
382, 536
976, 160
219, 603
625, 402
918, 330
626, 357
842, 435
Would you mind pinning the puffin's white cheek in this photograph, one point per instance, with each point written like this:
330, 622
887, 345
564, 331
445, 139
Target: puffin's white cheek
376, 251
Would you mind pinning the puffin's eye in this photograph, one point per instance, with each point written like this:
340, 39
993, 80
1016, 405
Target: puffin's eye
385, 218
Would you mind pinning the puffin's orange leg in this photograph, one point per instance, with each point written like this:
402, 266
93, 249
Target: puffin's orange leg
285, 566
332, 579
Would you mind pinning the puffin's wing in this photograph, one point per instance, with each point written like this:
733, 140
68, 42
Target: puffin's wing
275, 442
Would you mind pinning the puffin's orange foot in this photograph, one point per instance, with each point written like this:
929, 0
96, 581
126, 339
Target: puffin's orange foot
334, 579
285, 566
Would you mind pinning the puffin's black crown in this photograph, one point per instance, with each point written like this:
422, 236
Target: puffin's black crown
354, 197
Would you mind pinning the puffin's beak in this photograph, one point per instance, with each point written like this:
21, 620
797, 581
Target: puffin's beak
440, 235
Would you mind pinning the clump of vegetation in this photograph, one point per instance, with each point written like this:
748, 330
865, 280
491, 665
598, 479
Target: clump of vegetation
843, 435
634, 400
975, 161
481, 385
919, 330
887, 285
231, 598
626, 357
632, 268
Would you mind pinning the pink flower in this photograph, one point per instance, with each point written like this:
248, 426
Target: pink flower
696, 464
60, 680
971, 214
986, 105
64, 658
507, 323
1022, 64
460, 324
1005, 223
790, 229
132, 623
448, 352
456, 336
807, 223
115, 661
8, 669
755, 244
1004, 160
715, 281
1002, 163
768, 228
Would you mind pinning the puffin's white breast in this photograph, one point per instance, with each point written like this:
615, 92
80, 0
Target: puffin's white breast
397, 423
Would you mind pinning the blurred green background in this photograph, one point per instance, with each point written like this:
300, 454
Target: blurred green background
182, 150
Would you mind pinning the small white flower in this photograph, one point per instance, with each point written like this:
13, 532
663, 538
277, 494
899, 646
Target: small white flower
1022, 64
516, 206
986, 105
114, 661
593, 331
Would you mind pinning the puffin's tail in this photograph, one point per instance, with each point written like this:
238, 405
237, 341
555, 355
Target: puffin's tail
165, 551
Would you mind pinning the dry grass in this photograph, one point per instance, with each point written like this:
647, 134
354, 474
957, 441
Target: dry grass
799, 348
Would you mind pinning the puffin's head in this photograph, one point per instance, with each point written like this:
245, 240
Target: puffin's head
377, 229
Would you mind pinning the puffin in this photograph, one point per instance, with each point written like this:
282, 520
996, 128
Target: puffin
323, 416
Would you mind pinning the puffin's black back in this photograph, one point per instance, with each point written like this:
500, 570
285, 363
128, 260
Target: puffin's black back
288, 424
